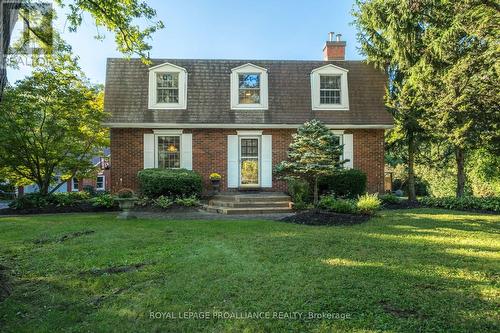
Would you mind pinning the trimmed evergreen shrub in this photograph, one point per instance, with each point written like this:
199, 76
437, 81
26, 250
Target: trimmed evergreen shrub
170, 182
300, 192
390, 199
349, 183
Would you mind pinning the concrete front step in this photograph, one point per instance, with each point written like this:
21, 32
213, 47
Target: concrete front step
258, 197
250, 204
246, 210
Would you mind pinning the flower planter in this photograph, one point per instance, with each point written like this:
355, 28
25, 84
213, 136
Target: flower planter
215, 185
126, 204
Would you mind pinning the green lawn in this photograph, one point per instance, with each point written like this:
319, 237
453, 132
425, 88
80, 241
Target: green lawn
412, 270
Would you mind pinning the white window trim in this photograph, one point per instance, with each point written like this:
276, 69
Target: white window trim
171, 68
249, 69
165, 133
315, 88
73, 189
340, 135
103, 188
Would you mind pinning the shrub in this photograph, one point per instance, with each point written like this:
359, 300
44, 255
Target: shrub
368, 204
170, 182
464, 203
336, 205
348, 183
31, 200
68, 198
163, 202
144, 201
89, 189
191, 201
299, 191
389, 199
103, 200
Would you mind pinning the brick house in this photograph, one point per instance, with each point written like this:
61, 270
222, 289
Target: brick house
237, 117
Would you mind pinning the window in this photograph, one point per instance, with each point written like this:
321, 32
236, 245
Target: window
169, 152
74, 184
249, 88
329, 89
100, 183
167, 87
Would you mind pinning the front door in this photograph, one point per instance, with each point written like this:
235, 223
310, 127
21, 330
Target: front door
249, 161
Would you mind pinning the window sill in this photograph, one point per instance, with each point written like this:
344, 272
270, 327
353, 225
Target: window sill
167, 107
330, 108
249, 107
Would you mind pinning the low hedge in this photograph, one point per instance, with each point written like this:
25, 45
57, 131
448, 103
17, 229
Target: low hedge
170, 182
349, 183
464, 203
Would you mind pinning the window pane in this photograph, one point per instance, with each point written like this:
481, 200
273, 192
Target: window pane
330, 97
167, 96
169, 152
249, 147
249, 81
249, 96
329, 82
167, 80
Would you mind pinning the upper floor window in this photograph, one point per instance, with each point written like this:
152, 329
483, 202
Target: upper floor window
167, 87
249, 88
329, 89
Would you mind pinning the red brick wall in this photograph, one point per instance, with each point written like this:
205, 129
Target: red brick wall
210, 154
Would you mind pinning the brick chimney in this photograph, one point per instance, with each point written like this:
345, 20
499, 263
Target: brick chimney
334, 49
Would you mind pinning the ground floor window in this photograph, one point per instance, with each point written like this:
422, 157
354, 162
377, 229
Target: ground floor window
100, 183
74, 184
169, 151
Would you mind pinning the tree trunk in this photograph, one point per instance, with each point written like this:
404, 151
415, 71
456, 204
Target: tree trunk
411, 168
8, 11
315, 191
461, 177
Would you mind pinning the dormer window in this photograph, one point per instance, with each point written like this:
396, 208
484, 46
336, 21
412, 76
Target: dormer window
249, 88
329, 89
167, 87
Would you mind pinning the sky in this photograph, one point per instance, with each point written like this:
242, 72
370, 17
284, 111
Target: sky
224, 29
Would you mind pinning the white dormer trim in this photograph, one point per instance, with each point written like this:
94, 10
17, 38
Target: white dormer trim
315, 88
249, 69
170, 68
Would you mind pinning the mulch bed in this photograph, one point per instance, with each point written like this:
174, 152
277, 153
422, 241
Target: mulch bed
81, 208
319, 217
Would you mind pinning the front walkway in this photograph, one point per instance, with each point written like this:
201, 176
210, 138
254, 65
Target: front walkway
201, 214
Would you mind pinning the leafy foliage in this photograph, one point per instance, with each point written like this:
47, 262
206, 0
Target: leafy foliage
314, 152
299, 191
368, 204
345, 183
163, 202
170, 182
463, 203
343, 206
125, 193
389, 199
105, 200
50, 122
191, 201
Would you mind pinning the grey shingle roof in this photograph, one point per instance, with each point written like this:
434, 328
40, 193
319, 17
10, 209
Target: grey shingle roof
208, 101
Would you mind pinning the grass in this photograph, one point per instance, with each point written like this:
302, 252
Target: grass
412, 270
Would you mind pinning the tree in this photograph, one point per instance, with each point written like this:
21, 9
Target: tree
117, 16
457, 78
314, 152
50, 124
390, 33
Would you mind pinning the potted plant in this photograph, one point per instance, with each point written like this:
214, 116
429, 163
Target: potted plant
126, 200
215, 180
